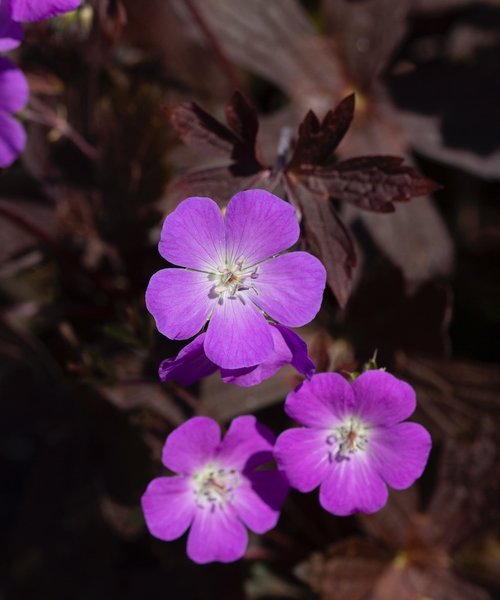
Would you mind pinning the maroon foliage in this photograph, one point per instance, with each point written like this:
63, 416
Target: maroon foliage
309, 177
317, 141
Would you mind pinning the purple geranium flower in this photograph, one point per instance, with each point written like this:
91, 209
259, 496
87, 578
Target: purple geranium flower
233, 277
219, 490
353, 442
13, 97
14, 12
191, 364
13, 85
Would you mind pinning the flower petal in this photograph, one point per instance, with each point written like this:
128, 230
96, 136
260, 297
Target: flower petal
259, 225
246, 444
190, 365
168, 506
12, 139
290, 288
250, 376
11, 33
289, 348
14, 90
352, 486
298, 348
322, 402
238, 335
193, 235
302, 454
180, 301
400, 453
192, 445
258, 502
216, 535
382, 399
37, 10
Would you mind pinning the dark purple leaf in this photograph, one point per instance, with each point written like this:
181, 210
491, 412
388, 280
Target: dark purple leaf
219, 183
197, 128
242, 117
317, 141
326, 233
370, 182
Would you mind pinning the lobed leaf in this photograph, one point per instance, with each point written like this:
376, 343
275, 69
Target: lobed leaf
196, 127
242, 117
218, 183
326, 233
370, 182
199, 128
317, 141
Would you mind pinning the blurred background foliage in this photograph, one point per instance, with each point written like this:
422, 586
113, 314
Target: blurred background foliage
84, 417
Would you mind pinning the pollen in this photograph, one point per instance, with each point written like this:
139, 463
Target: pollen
235, 277
350, 437
214, 486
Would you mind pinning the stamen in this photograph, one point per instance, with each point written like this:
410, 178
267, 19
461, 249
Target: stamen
351, 437
231, 278
214, 486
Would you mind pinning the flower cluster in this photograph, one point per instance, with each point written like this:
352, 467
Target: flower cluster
13, 84
351, 442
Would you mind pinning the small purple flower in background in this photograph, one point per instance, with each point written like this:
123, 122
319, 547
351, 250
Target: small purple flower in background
13, 84
218, 491
14, 12
353, 442
13, 97
232, 276
191, 364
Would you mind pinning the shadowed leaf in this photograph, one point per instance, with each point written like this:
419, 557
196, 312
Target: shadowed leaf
329, 237
348, 571
218, 183
370, 182
277, 41
196, 127
242, 117
317, 141
199, 129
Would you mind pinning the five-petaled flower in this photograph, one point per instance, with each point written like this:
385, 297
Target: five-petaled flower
353, 442
219, 490
191, 364
233, 276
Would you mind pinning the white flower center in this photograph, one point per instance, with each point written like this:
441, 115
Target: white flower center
234, 277
214, 486
347, 439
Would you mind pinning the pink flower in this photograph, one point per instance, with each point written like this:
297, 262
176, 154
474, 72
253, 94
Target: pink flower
191, 364
354, 441
218, 491
234, 276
